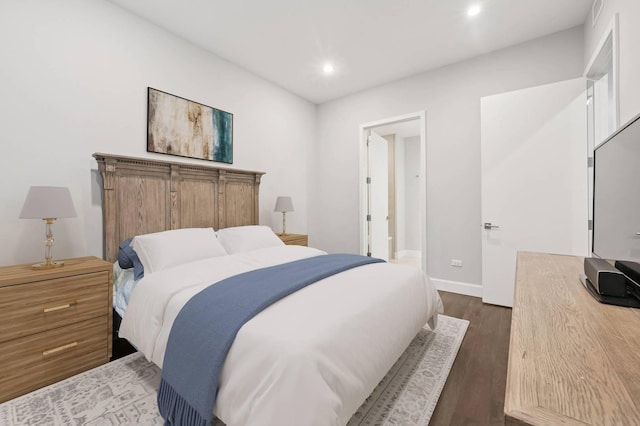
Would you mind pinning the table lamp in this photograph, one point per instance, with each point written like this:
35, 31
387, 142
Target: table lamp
48, 203
283, 205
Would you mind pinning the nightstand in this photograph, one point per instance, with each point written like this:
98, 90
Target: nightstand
294, 239
55, 323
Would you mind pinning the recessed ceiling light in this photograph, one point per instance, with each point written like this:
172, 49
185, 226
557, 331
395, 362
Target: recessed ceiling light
327, 68
473, 10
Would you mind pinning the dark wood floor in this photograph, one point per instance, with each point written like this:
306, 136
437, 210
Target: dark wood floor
474, 392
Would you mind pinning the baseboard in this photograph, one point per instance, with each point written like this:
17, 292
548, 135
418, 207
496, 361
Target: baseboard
458, 287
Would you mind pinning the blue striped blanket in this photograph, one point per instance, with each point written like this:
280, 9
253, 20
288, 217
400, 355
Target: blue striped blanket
206, 327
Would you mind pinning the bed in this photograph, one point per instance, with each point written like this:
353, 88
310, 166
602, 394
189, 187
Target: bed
310, 358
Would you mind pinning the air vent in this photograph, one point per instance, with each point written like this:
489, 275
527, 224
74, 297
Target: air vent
596, 8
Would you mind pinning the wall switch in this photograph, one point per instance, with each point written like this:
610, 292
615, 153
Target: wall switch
456, 262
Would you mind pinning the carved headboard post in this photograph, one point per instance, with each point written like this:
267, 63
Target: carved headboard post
256, 198
108, 171
141, 195
175, 213
222, 183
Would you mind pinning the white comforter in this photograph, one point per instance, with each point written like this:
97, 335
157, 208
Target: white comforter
309, 359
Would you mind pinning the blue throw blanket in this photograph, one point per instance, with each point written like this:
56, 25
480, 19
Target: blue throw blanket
205, 328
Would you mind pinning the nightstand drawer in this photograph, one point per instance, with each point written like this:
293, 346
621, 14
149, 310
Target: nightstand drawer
38, 306
38, 360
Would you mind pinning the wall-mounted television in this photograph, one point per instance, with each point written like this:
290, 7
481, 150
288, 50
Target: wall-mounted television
616, 195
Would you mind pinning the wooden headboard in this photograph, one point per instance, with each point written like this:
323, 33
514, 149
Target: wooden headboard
142, 195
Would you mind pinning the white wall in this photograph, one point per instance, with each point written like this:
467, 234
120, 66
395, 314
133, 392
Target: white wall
73, 81
451, 97
629, 32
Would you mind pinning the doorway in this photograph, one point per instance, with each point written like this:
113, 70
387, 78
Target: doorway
603, 116
533, 182
393, 189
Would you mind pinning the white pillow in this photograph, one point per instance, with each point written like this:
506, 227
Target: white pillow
246, 238
163, 250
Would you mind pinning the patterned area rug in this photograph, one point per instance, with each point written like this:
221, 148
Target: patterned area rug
123, 392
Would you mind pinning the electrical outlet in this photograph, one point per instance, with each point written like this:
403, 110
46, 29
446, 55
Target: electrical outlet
456, 262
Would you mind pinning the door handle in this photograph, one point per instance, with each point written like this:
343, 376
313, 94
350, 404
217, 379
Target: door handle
488, 225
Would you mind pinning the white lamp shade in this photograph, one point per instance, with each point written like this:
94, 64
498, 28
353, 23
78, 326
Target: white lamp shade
283, 204
48, 202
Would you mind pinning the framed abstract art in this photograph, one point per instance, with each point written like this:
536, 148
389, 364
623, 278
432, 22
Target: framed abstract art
181, 127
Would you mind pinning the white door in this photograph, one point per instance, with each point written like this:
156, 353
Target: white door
379, 198
534, 179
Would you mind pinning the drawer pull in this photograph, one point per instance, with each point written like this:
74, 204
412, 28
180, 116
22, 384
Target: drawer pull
58, 308
59, 348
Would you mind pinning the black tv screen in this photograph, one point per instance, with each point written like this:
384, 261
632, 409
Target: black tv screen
616, 195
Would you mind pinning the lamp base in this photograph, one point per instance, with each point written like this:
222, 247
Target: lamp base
47, 265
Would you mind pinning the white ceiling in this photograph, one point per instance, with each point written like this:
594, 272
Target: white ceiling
370, 42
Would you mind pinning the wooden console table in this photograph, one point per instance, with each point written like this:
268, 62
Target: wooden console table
572, 360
